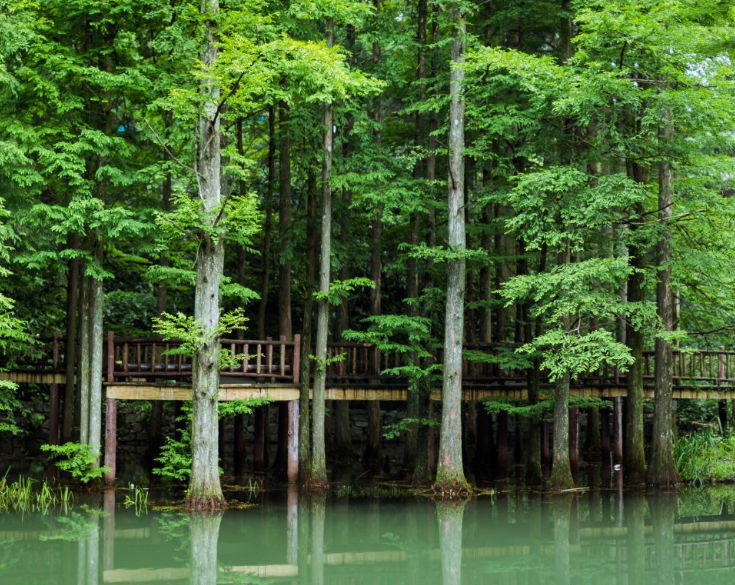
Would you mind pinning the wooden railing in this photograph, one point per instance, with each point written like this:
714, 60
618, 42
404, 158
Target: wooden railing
278, 361
268, 360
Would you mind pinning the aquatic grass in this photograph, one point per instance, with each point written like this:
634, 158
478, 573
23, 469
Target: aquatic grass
21, 495
137, 497
705, 457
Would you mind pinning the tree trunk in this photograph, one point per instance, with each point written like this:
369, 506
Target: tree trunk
284, 225
662, 472
372, 455
204, 486
318, 474
634, 465
85, 361
561, 473
267, 229
450, 477
156, 424
74, 284
305, 376
95, 365
342, 436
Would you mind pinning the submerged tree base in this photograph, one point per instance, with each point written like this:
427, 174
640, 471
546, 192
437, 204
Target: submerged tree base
205, 503
560, 478
450, 487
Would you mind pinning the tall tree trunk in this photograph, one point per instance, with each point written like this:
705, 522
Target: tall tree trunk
85, 361
450, 473
318, 474
662, 471
204, 486
267, 229
74, 284
156, 424
95, 363
372, 455
634, 464
561, 474
304, 394
284, 225
285, 327
342, 436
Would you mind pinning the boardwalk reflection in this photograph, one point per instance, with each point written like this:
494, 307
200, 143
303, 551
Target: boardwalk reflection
573, 539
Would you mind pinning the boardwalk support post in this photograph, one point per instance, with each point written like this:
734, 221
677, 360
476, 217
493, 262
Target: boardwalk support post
110, 416
292, 468
618, 431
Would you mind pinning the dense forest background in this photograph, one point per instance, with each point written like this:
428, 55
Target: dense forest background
596, 173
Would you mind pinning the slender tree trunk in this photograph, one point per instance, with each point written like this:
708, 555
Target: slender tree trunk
634, 465
85, 361
284, 225
372, 456
285, 327
304, 394
156, 424
267, 229
74, 283
342, 436
450, 477
95, 365
204, 486
318, 475
662, 471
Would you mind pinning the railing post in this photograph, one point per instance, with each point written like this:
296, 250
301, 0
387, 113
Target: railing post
53, 427
720, 368
296, 365
110, 356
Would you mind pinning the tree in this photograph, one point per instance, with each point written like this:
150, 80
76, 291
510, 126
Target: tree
450, 474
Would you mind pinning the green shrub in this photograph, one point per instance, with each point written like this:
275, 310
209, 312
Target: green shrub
705, 457
78, 459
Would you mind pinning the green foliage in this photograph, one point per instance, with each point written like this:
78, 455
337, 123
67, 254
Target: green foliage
190, 333
705, 457
578, 354
339, 290
395, 430
81, 461
175, 455
540, 409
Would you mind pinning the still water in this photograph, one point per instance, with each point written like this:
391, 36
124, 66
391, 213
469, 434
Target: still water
594, 537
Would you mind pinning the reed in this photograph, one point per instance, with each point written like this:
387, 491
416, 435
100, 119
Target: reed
29, 495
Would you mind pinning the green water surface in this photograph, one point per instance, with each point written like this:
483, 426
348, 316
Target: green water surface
593, 537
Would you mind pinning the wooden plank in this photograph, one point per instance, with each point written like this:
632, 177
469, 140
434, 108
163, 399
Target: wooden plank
34, 377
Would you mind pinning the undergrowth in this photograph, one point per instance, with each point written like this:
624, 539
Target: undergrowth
706, 456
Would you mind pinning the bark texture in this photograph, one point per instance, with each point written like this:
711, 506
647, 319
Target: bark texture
662, 470
204, 486
318, 472
450, 478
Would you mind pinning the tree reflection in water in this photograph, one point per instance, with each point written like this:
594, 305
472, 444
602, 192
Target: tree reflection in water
663, 516
204, 535
449, 517
318, 506
560, 507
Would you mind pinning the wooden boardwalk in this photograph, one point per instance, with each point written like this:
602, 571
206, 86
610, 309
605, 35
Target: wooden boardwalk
150, 369
145, 369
